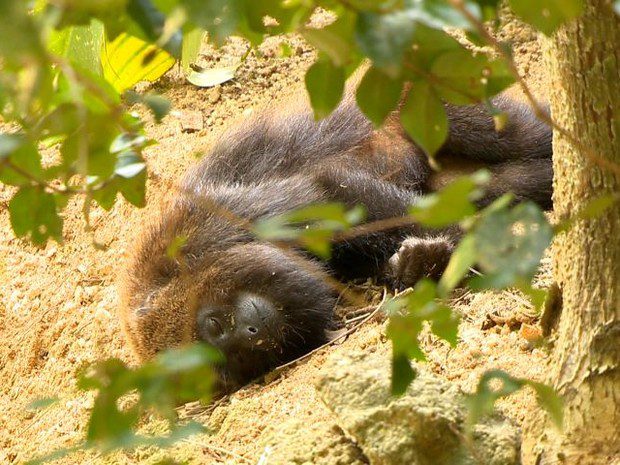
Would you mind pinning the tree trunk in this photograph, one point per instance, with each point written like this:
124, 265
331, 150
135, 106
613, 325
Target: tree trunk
584, 61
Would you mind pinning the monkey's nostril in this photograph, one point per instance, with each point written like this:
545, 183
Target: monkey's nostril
252, 329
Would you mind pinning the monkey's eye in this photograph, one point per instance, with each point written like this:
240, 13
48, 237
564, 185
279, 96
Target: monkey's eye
214, 327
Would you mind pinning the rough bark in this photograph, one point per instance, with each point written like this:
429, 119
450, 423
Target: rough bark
584, 60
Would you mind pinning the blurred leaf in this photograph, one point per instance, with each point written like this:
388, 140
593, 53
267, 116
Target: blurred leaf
80, 44
536, 296
127, 141
402, 374
81, 12
134, 189
158, 105
313, 226
33, 212
128, 60
592, 209
427, 45
462, 259
177, 375
214, 76
463, 78
549, 399
510, 244
23, 157
482, 402
334, 40
218, 17
424, 118
377, 95
547, 15
488, 8
407, 313
384, 38
129, 164
325, 85
444, 324
192, 41
105, 194
450, 204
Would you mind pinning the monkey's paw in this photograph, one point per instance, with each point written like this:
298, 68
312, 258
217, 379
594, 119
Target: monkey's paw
417, 258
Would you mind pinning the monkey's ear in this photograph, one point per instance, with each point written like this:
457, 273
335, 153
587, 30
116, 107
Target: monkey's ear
333, 335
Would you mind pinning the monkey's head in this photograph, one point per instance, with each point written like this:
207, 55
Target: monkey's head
261, 306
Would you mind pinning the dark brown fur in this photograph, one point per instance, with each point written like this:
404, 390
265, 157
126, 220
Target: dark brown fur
279, 160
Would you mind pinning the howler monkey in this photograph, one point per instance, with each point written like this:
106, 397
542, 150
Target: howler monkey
262, 305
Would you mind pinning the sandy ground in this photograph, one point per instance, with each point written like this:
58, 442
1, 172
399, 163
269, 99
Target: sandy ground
58, 303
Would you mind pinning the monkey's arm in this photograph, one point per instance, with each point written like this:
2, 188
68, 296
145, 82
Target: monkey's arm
415, 251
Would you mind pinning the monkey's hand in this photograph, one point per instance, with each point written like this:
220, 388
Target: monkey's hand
419, 257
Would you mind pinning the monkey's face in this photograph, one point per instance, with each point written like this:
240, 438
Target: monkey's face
259, 305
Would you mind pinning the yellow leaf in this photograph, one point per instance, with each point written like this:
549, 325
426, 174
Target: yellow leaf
128, 60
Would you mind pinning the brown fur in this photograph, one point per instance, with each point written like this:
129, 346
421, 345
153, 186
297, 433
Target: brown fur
281, 159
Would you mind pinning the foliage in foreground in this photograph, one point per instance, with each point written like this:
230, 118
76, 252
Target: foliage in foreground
68, 65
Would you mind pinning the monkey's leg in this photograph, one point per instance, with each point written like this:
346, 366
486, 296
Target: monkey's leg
473, 135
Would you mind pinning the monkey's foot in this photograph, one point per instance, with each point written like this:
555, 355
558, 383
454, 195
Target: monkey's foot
419, 257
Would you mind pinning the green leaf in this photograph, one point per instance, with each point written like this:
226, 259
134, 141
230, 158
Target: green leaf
384, 38
549, 399
424, 118
489, 8
407, 313
191, 47
158, 105
105, 194
33, 212
334, 40
218, 17
452, 203
402, 374
510, 244
214, 76
444, 324
128, 60
377, 95
80, 44
23, 157
313, 226
427, 45
134, 189
177, 375
462, 78
462, 259
592, 209
129, 164
482, 402
325, 85
547, 15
